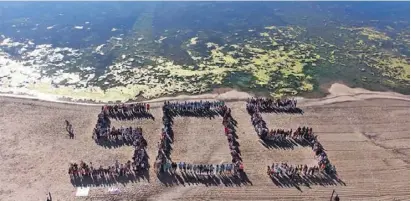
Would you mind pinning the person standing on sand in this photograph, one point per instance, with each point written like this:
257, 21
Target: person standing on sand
336, 198
49, 197
69, 129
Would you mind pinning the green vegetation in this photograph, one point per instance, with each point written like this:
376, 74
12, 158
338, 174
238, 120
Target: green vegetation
279, 55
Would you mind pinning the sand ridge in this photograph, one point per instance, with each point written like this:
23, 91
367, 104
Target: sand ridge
337, 92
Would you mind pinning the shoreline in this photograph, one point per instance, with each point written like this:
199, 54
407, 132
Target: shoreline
53, 99
336, 91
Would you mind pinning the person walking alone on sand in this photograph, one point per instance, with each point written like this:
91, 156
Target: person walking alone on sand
69, 129
336, 198
49, 197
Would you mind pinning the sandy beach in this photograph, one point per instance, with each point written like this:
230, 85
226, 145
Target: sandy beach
366, 135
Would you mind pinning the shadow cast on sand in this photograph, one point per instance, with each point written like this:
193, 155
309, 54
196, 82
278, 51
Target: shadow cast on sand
108, 144
307, 180
286, 144
188, 179
134, 178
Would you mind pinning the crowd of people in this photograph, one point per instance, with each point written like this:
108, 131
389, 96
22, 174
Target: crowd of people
103, 132
257, 105
271, 105
301, 134
285, 175
123, 135
194, 108
99, 174
128, 135
163, 161
323, 161
284, 169
229, 131
140, 163
102, 126
103, 129
260, 126
126, 110
166, 138
304, 133
140, 159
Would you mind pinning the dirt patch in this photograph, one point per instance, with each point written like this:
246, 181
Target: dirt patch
190, 136
221, 90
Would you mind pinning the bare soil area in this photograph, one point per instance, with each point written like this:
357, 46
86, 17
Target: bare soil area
366, 137
200, 141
